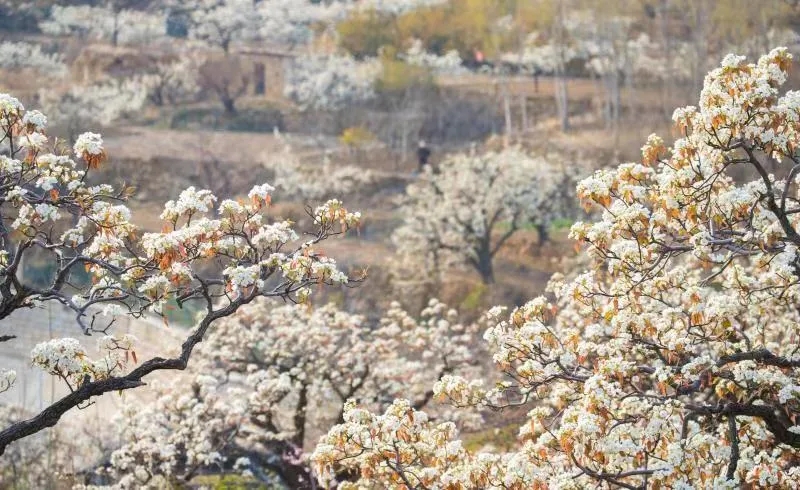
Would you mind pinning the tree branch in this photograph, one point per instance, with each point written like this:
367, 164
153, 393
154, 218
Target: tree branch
52, 414
764, 412
733, 435
763, 356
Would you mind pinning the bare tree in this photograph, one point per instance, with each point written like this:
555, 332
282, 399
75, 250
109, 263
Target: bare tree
560, 36
227, 78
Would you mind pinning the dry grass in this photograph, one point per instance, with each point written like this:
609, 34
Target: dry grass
145, 143
578, 88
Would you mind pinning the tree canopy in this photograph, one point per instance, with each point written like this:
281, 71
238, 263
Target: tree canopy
673, 361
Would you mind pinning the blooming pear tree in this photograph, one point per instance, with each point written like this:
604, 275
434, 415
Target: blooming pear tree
471, 206
108, 22
292, 22
216, 255
270, 375
100, 103
223, 22
297, 178
674, 363
450, 63
21, 55
330, 82
396, 6
227, 77
174, 81
220, 22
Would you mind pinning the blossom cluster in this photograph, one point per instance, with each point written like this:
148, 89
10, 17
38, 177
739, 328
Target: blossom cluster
221, 22
330, 82
7, 379
297, 178
449, 63
67, 359
105, 23
20, 55
102, 102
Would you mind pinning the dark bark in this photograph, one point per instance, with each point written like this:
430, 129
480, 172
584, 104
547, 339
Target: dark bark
229, 104
543, 232
733, 435
484, 265
766, 413
300, 416
297, 476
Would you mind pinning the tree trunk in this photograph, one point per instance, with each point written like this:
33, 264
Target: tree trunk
300, 417
484, 263
229, 104
523, 100
543, 232
562, 98
404, 140
666, 41
279, 459
157, 96
700, 39
562, 101
507, 111
115, 30
297, 476
293, 471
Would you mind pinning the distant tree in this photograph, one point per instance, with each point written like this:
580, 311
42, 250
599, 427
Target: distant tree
112, 21
440, 26
227, 78
448, 63
466, 210
173, 81
292, 22
19, 16
101, 103
219, 22
330, 82
363, 33
298, 178
222, 22
18, 56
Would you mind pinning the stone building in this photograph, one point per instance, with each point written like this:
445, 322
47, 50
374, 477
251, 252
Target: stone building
268, 69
